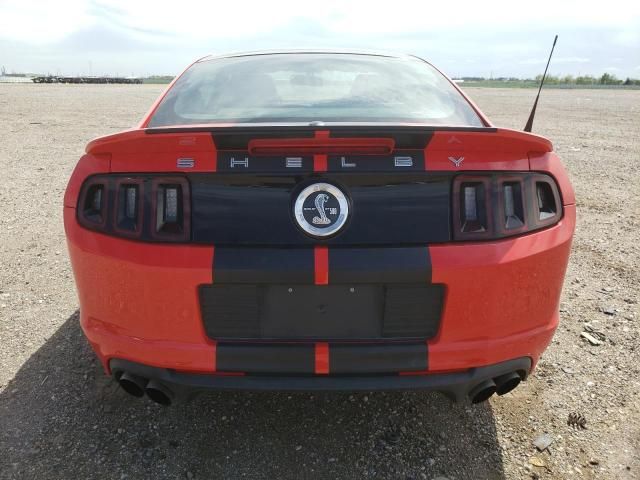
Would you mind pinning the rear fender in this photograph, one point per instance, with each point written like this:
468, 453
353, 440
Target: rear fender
89, 164
550, 163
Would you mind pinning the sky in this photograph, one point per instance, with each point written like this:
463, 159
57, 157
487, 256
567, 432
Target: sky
463, 38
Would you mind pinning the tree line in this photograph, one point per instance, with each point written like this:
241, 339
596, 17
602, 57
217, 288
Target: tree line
604, 79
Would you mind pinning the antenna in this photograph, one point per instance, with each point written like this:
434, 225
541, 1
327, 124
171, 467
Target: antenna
529, 125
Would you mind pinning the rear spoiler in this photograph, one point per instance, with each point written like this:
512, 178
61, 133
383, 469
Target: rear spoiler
362, 139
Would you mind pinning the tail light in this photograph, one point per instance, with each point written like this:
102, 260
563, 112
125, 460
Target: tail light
155, 208
490, 206
512, 203
128, 206
92, 204
472, 217
547, 202
171, 209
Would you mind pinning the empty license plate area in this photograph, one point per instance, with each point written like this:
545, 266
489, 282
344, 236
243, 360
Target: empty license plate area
321, 312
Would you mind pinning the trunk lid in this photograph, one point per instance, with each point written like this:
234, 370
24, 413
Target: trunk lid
245, 180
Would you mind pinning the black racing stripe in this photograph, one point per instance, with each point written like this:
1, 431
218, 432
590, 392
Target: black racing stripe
377, 358
263, 265
380, 265
278, 358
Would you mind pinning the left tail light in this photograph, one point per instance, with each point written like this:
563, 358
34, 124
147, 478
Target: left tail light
92, 203
171, 212
151, 208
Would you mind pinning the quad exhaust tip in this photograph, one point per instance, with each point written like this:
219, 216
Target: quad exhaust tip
482, 391
500, 385
507, 382
137, 386
132, 384
159, 393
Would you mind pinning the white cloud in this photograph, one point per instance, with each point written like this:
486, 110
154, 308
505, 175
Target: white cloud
39, 21
466, 37
630, 37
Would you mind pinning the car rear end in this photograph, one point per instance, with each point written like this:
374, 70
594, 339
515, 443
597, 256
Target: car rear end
284, 252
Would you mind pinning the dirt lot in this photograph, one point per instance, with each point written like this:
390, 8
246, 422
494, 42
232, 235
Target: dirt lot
60, 417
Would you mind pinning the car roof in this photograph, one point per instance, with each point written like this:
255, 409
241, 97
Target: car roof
372, 53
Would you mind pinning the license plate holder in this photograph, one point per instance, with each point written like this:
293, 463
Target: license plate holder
322, 312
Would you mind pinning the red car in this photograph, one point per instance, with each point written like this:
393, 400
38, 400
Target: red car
318, 221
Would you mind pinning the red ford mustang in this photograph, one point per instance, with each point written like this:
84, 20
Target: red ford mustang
318, 220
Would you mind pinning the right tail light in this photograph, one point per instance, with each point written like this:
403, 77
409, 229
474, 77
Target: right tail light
498, 205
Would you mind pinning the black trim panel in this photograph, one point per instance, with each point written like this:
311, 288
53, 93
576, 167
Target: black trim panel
349, 359
399, 161
411, 208
231, 311
412, 311
242, 162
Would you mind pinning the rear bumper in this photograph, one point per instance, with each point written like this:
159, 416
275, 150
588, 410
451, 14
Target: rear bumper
455, 385
139, 302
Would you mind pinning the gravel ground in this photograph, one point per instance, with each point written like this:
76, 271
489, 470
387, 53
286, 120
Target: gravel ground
60, 417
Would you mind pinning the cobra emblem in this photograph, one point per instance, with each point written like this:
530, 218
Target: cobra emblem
321, 199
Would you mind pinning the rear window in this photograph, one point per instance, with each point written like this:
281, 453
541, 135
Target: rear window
312, 87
